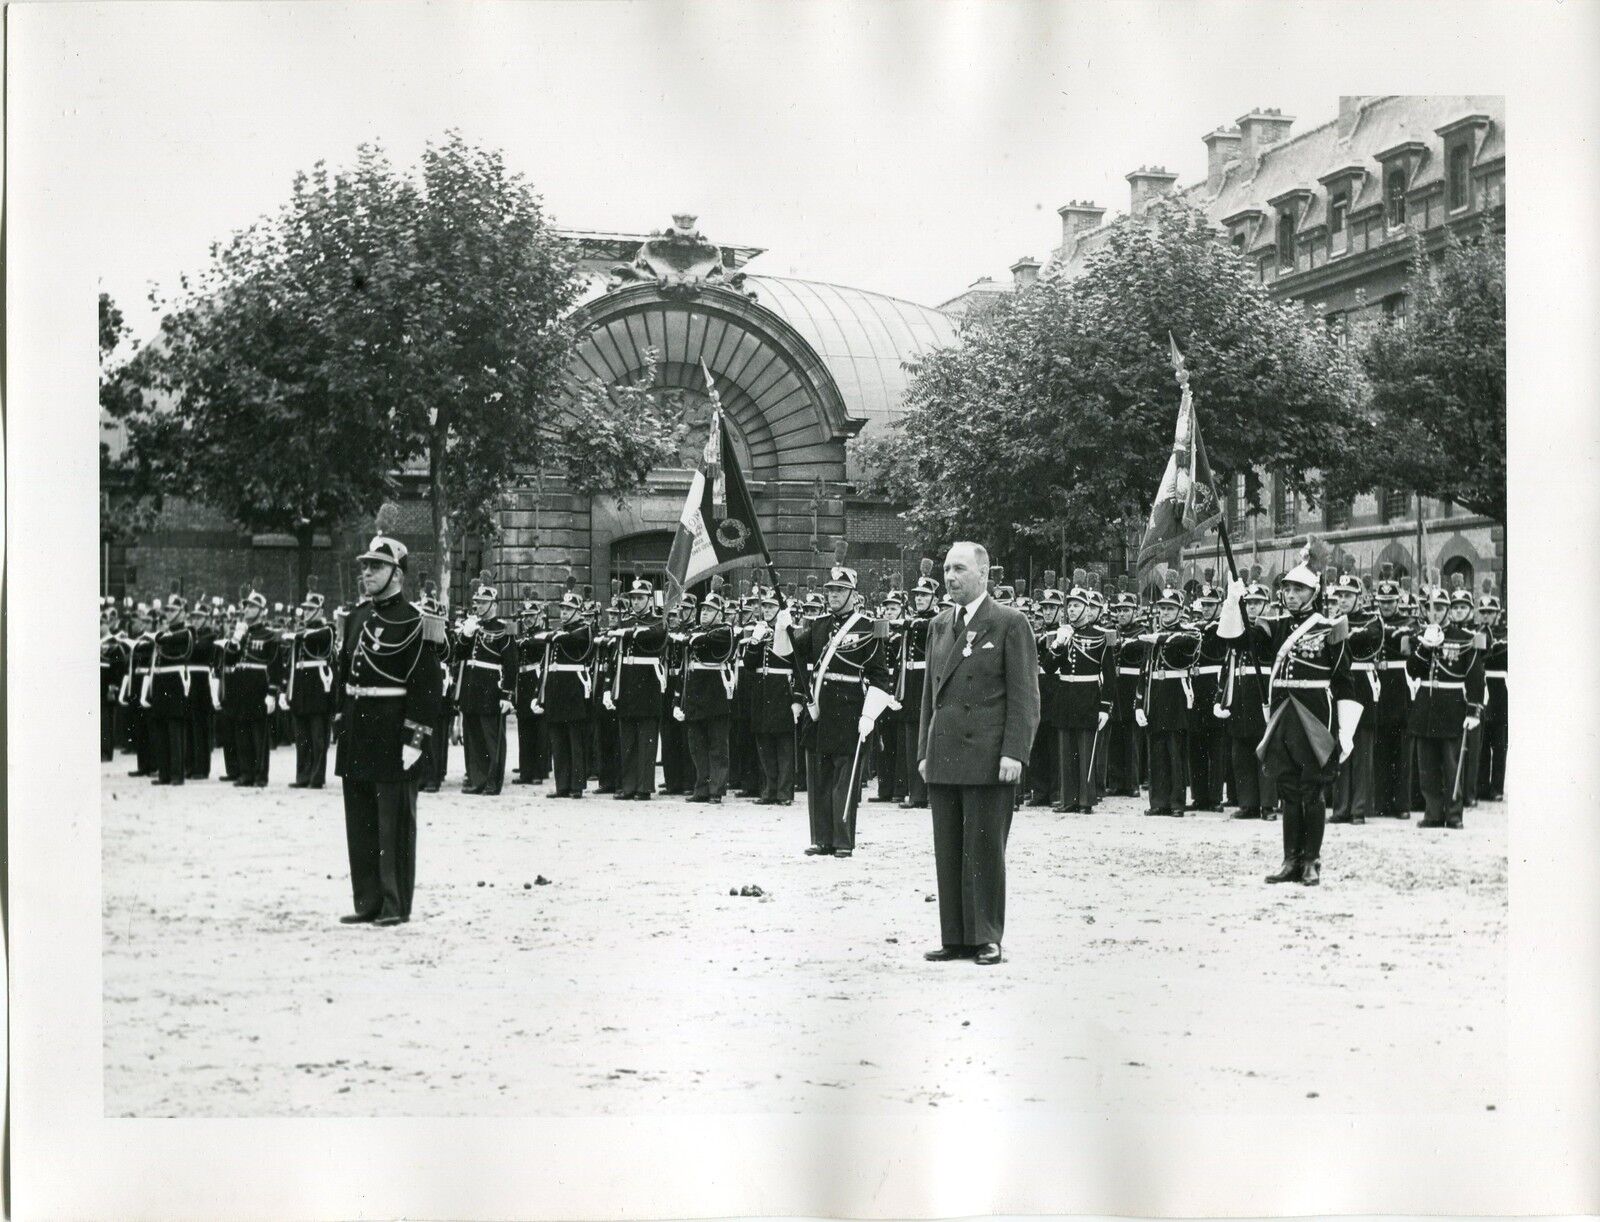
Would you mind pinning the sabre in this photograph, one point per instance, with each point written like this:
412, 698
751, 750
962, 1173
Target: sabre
1461, 758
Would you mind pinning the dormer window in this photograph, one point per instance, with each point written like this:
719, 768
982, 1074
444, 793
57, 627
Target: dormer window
1460, 177
1286, 241
1394, 194
1338, 210
1238, 242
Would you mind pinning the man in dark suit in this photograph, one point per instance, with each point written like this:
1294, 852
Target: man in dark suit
980, 710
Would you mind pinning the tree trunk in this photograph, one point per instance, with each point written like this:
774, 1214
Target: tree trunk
441, 512
302, 561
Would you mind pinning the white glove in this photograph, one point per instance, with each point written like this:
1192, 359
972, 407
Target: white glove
1138, 716
283, 701
610, 704
1063, 635
864, 727
1472, 722
409, 756
1432, 636
1104, 718
796, 709
814, 711
536, 707
1221, 712
783, 620
239, 630
507, 707
1235, 589
272, 704
216, 693
758, 634
677, 715
469, 626
1349, 718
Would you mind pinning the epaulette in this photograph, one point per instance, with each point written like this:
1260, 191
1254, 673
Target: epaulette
432, 626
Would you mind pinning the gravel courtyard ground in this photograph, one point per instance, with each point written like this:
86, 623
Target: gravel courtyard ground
1148, 968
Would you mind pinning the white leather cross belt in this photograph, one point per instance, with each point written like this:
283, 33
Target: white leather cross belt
1079, 678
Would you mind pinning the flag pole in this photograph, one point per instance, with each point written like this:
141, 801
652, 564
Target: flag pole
723, 438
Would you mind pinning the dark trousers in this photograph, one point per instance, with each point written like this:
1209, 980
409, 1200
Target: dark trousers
744, 760
436, 753
483, 737
1122, 758
970, 826
253, 743
608, 751
569, 754
143, 747
708, 748
1390, 778
311, 749
1352, 791
380, 830
533, 746
1472, 765
170, 740
108, 729
1250, 785
831, 799
1169, 757
1073, 751
1413, 775
1492, 768
198, 749
228, 738
776, 755
638, 736
1437, 760
1043, 773
916, 788
891, 783
677, 772
1300, 781
1208, 755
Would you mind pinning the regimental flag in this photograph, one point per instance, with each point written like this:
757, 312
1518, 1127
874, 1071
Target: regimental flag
718, 529
1186, 504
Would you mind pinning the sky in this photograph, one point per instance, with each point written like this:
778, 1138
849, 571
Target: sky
906, 147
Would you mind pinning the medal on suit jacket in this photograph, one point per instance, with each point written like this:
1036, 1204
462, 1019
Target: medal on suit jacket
971, 636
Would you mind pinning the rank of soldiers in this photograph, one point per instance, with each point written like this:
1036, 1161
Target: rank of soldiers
763, 694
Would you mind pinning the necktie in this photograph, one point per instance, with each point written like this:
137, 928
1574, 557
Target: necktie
961, 622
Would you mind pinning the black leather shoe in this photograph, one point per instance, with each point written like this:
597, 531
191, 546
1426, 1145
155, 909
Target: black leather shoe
907, 804
1246, 812
842, 852
817, 850
386, 921
1358, 819
1311, 872
1430, 822
1339, 818
1288, 872
715, 799
988, 954
946, 953
358, 918
1453, 825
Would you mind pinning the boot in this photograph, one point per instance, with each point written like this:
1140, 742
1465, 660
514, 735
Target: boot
1289, 871
1312, 819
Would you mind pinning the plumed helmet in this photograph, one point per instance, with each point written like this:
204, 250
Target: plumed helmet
384, 547
840, 575
926, 582
1348, 583
1002, 592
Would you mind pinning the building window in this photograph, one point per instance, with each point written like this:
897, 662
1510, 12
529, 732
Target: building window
1263, 267
1460, 177
1286, 240
1338, 332
1395, 506
1336, 515
1394, 309
1338, 208
1396, 195
1285, 509
1238, 242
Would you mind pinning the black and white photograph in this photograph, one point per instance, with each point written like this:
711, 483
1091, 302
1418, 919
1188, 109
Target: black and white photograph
784, 580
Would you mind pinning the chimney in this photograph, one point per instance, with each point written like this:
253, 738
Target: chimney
1222, 150
1261, 129
1078, 217
1350, 114
1024, 272
1148, 183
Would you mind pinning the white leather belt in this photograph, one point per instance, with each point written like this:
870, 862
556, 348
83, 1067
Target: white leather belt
170, 670
1127, 670
481, 665
526, 667
206, 670
310, 665
1444, 685
572, 666
842, 678
1363, 666
249, 666
773, 670
1306, 683
1395, 664
917, 665
353, 690
706, 665
1169, 674
1079, 678
1494, 674
630, 660
1208, 670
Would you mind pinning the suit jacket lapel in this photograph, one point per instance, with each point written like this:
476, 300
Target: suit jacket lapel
977, 627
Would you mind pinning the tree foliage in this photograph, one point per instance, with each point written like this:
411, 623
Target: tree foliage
380, 321
1048, 425
1437, 423
125, 507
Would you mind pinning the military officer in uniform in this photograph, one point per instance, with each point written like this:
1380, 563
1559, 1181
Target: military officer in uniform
486, 685
309, 692
638, 681
1313, 713
1352, 791
165, 694
1208, 737
1492, 771
533, 748
771, 682
113, 665
1123, 733
1080, 673
838, 658
1242, 707
706, 704
1391, 775
1464, 615
253, 659
390, 664
564, 694
677, 770
202, 695
911, 674
1164, 698
141, 656
886, 732
1446, 667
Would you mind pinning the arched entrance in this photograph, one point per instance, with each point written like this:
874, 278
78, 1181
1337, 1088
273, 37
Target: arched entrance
1457, 566
645, 552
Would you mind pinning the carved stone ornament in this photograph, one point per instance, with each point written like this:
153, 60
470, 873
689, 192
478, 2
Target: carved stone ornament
679, 261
